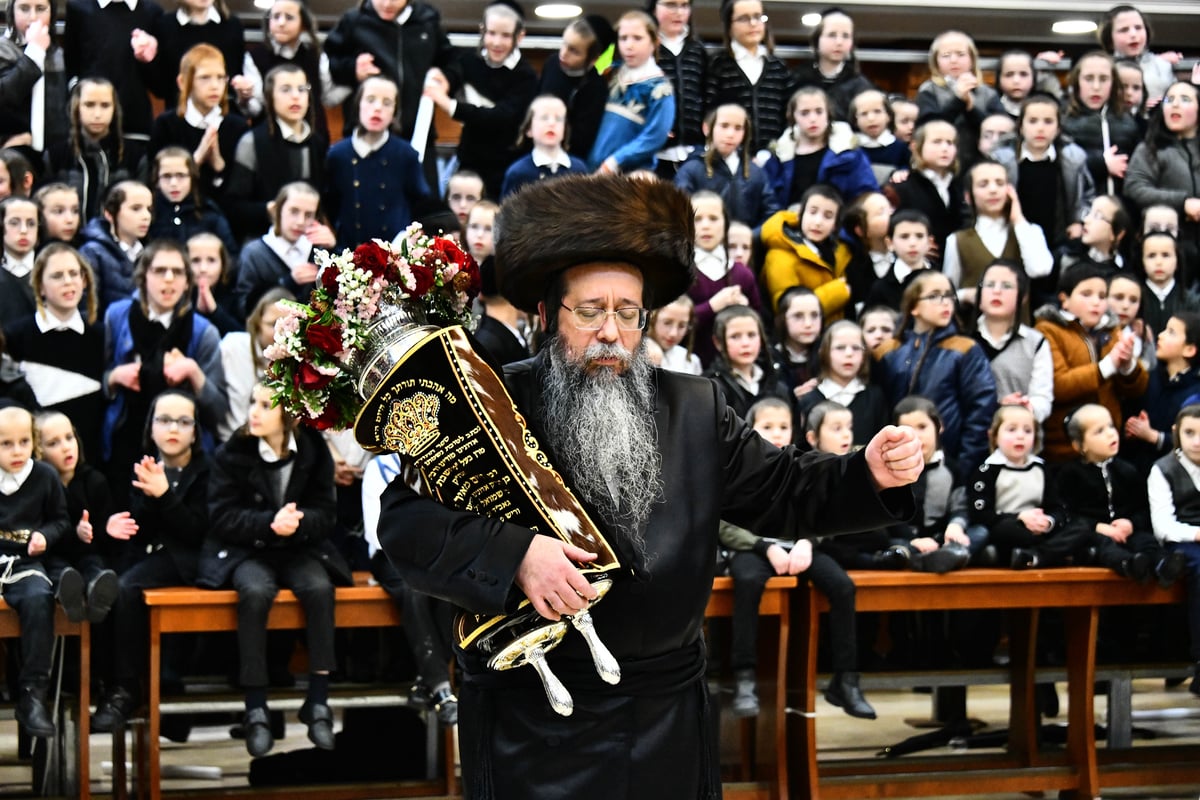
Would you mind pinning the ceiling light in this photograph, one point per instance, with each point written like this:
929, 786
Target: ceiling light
811, 20
558, 11
1073, 26
263, 4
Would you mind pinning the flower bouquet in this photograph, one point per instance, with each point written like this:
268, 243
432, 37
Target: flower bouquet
320, 348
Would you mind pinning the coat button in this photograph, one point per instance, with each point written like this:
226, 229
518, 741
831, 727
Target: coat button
471, 574
223, 554
260, 544
258, 498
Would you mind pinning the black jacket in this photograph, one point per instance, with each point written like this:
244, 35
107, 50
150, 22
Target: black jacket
242, 505
176, 522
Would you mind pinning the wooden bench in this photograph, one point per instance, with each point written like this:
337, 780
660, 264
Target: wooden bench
775, 603
189, 610
72, 754
1079, 771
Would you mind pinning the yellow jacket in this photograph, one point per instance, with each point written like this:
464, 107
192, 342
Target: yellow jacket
793, 263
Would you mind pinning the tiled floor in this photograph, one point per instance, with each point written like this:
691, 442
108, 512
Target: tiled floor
214, 760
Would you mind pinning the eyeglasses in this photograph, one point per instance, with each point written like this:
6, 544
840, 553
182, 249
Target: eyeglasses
182, 423
676, 7
751, 19
167, 272
591, 318
1003, 286
1098, 216
939, 297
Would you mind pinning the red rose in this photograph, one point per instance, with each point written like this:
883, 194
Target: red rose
325, 337
309, 379
423, 278
328, 418
329, 277
372, 258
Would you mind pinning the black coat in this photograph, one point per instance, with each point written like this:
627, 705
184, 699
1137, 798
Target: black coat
242, 506
713, 467
177, 522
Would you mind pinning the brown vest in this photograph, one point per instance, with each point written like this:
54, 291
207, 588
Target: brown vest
974, 257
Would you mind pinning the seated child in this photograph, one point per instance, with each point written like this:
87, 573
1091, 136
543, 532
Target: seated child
1174, 500
937, 539
34, 518
756, 558
1012, 504
1106, 503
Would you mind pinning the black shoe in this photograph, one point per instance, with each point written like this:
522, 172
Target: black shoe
1023, 559
986, 557
1137, 567
894, 558
445, 705
946, 558
32, 713
844, 693
258, 732
113, 711
70, 594
319, 719
101, 594
278, 727
1170, 569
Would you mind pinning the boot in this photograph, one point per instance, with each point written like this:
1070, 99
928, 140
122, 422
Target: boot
1137, 567
745, 694
70, 594
445, 705
32, 712
843, 692
113, 711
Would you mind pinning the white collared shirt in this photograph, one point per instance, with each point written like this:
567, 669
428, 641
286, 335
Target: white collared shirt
941, 183
1097, 255
999, 458
10, 482
513, 59
712, 264
293, 254
165, 318
832, 390
183, 18
19, 267
630, 75
193, 117
362, 147
733, 162
403, 16
289, 135
881, 262
131, 251
1051, 154
750, 383
674, 43
46, 322
269, 455
554, 160
1167, 526
106, 3
1161, 292
885, 138
750, 63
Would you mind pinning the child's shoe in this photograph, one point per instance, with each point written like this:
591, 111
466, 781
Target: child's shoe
32, 712
258, 732
1137, 567
113, 711
844, 693
946, 558
745, 694
319, 719
1023, 559
101, 594
70, 594
1170, 569
895, 557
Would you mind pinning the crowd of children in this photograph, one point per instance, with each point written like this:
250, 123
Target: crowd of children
1007, 272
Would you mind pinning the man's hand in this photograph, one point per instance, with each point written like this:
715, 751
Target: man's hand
894, 457
551, 581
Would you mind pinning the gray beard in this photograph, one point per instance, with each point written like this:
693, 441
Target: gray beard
600, 428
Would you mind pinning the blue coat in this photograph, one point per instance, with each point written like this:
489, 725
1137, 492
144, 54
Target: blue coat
636, 123
114, 270
372, 197
844, 167
953, 372
750, 200
523, 171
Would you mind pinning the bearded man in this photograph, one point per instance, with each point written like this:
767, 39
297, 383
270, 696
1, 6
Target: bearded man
658, 459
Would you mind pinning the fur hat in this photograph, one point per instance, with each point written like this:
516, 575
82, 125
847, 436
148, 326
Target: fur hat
553, 225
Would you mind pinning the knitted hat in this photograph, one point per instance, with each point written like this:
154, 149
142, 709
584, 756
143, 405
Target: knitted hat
553, 225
